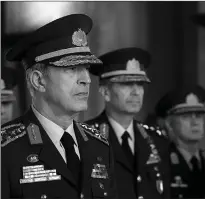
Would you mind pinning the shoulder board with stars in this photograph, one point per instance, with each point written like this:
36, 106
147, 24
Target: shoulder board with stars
94, 132
157, 130
12, 132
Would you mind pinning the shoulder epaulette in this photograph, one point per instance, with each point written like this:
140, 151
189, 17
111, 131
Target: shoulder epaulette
12, 132
94, 133
156, 130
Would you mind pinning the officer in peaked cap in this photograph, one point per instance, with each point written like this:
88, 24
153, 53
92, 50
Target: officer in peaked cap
46, 153
8, 82
139, 150
183, 112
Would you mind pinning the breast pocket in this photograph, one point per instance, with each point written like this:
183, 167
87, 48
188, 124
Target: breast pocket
47, 189
100, 188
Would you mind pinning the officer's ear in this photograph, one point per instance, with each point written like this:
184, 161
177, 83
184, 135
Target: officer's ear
169, 127
37, 80
103, 89
168, 123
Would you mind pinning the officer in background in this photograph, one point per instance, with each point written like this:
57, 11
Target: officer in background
8, 82
182, 110
139, 150
46, 153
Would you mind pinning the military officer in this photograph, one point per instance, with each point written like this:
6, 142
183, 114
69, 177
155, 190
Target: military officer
8, 82
139, 150
183, 112
46, 153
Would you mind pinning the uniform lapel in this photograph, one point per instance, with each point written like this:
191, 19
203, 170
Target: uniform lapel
181, 168
142, 149
85, 156
48, 153
117, 149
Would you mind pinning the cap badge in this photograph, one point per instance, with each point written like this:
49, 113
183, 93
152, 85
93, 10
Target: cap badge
2, 84
33, 158
192, 99
79, 38
133, 65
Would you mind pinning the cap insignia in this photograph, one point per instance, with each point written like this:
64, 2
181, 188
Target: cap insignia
79, 38
192, 99
2, 84
133, 66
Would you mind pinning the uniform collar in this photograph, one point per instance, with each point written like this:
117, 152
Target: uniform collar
119, 129
187, 156
54, 131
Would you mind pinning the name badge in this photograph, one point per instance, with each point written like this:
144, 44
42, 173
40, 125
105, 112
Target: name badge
37, 173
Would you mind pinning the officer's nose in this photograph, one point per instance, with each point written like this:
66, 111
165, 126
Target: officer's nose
136, 88
84, 77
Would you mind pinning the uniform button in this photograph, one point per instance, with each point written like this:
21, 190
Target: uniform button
158, 174
139, 179
44, 196
140, 197
180, 196
101, 185
105, 193
81, 196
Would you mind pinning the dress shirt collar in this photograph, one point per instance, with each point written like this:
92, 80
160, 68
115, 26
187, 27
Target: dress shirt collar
54, 131
119, 129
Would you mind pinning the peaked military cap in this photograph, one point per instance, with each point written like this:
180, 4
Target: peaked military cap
60, 43
123, 65
199, 19
182, 100
8, 81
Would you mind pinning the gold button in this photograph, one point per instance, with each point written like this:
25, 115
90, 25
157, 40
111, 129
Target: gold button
105, 193
180, 196
44, 196
81, 196
139, 179
140, 197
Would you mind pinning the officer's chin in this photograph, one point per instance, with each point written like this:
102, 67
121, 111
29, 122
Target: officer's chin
82, 106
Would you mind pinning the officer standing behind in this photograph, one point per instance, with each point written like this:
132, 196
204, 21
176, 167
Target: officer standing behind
139, 150
8, 82
183, 112
45, 153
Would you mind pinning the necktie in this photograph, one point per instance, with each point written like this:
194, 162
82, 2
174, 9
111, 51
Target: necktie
73, 162
195, 165
126, 148
197, 179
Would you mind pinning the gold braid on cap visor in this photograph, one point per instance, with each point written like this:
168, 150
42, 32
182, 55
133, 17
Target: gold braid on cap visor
73, 60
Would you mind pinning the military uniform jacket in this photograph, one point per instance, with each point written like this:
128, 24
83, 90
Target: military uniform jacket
182, 183
150, 178
28, 155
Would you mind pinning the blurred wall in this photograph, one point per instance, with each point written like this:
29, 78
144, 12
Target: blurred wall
201, 54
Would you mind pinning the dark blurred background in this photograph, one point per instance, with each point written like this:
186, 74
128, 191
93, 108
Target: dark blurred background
165, 29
